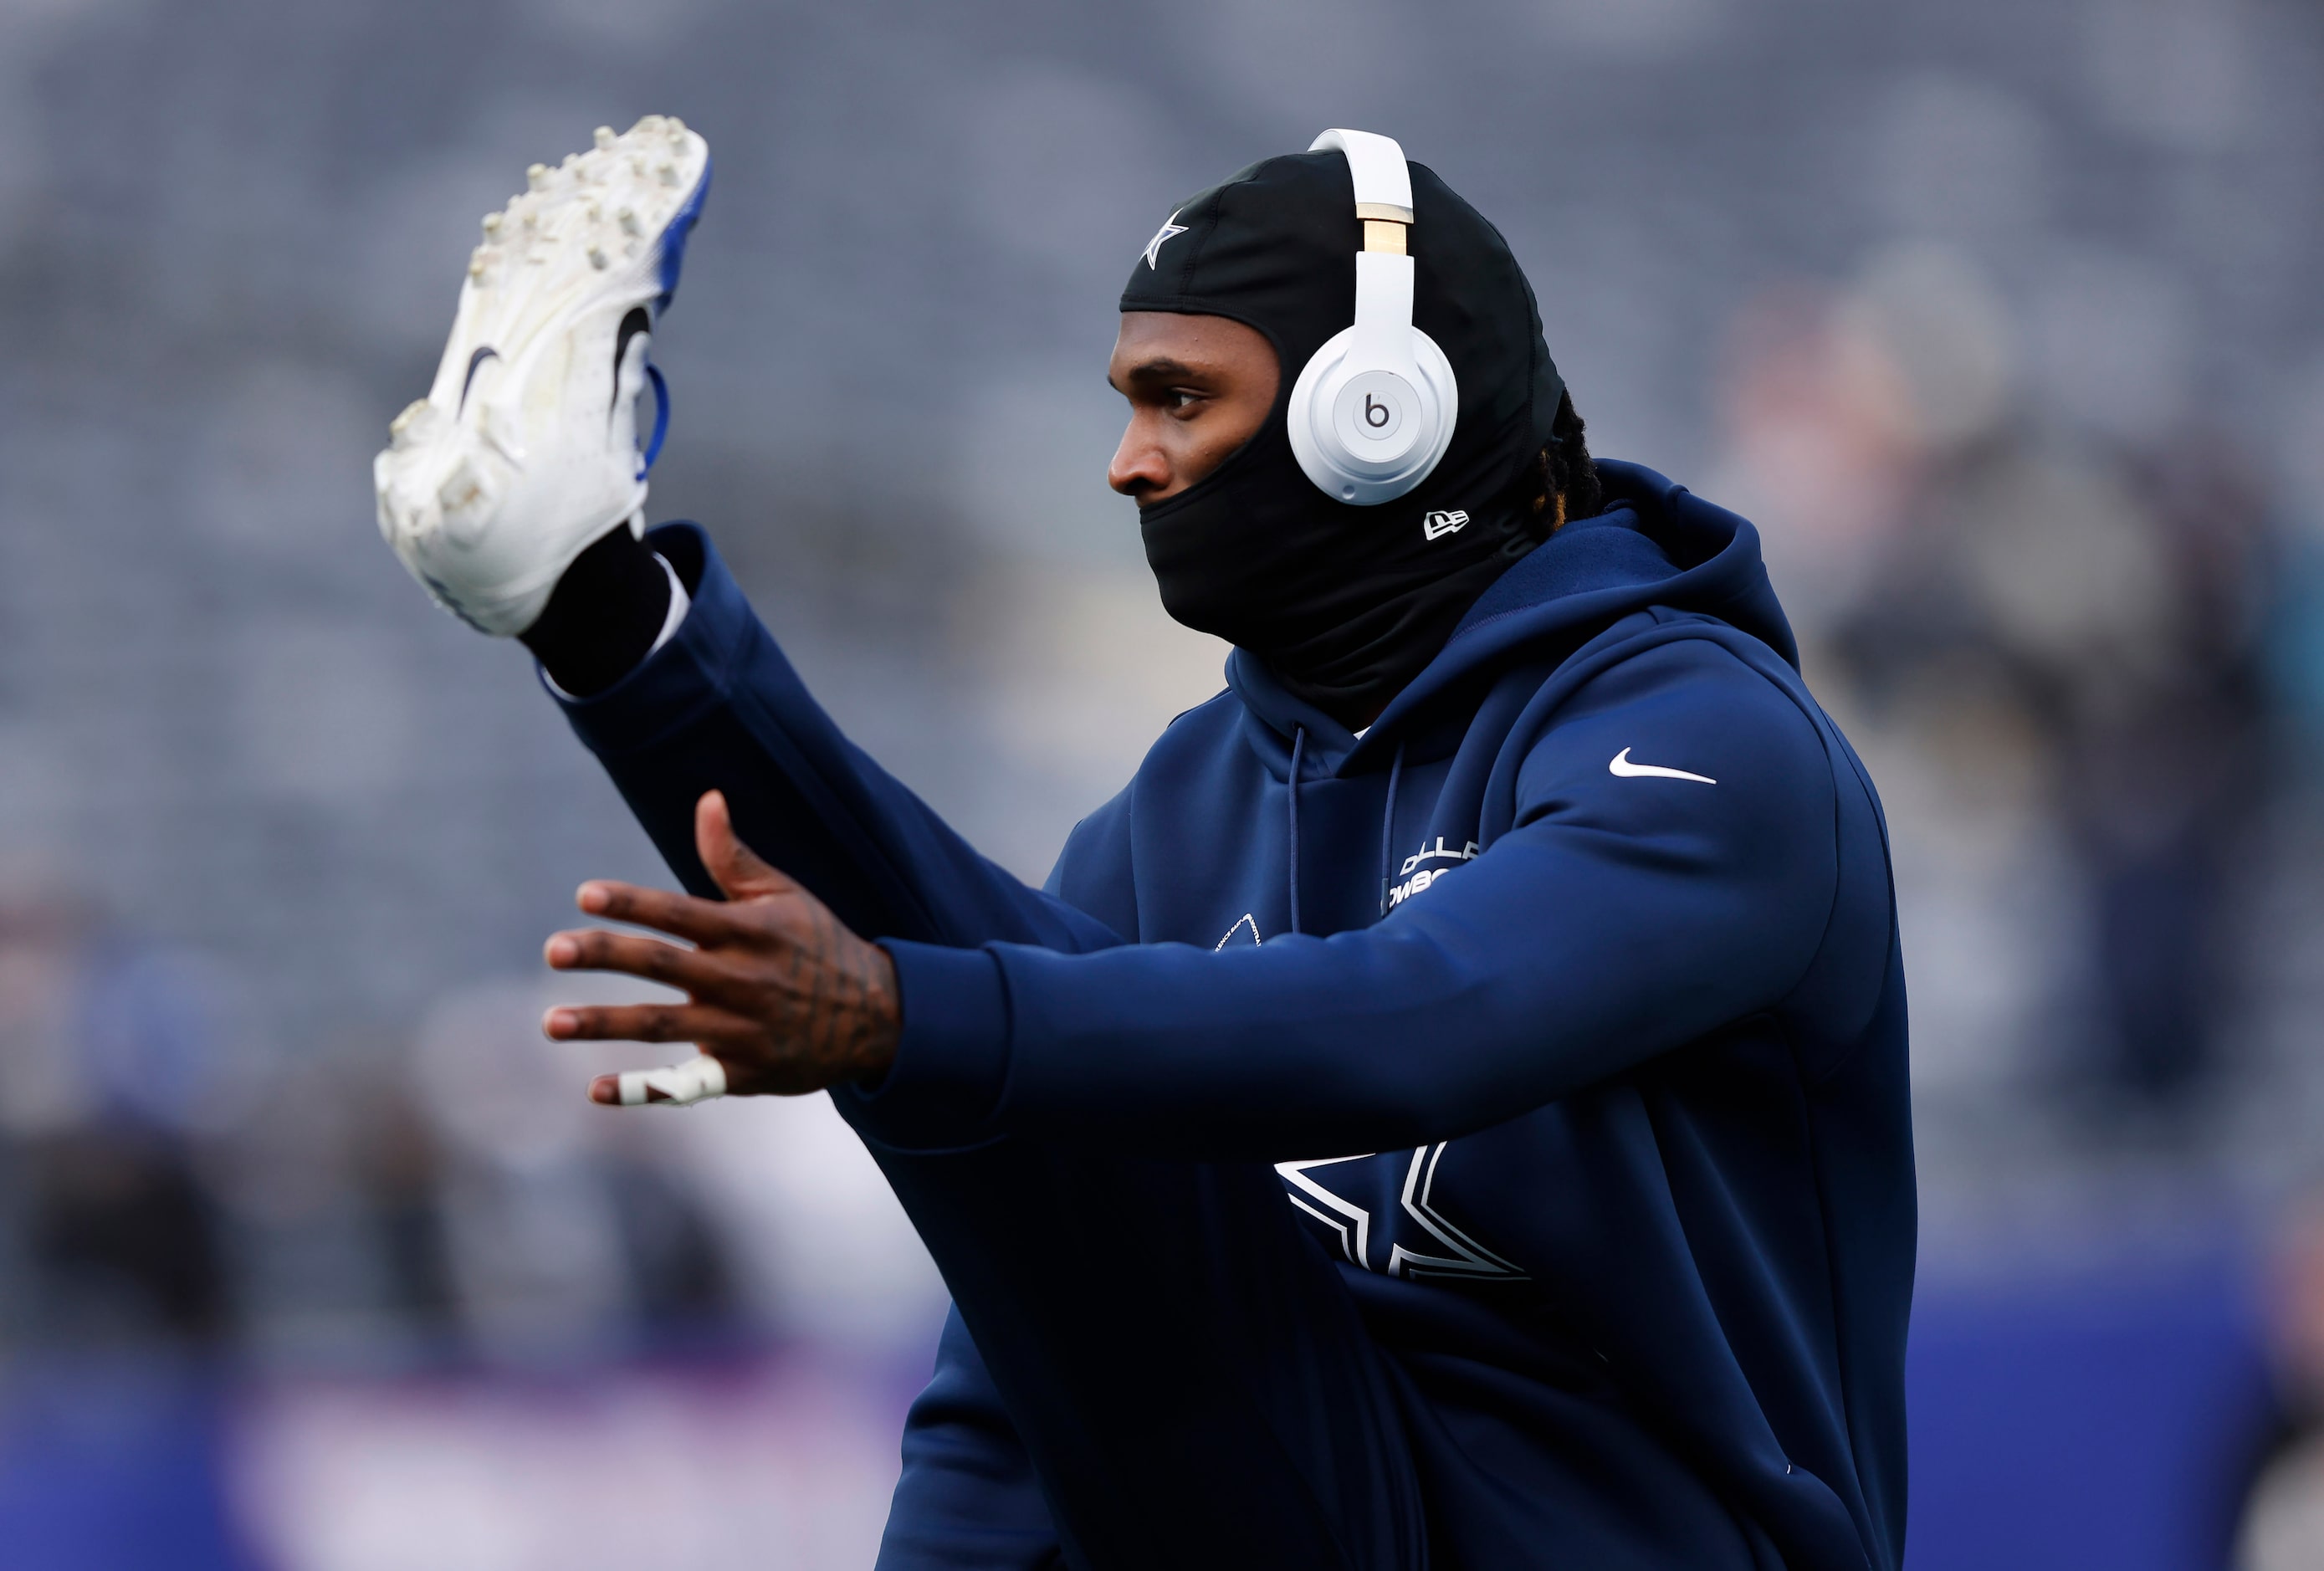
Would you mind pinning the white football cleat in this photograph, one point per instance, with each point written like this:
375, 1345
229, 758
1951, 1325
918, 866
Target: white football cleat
525, 449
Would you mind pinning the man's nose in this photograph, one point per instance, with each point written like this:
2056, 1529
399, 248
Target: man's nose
1139, 468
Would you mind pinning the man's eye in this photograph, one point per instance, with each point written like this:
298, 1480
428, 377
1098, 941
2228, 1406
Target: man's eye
1181, 398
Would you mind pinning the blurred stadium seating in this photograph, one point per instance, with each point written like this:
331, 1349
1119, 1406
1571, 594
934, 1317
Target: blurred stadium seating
1999, 316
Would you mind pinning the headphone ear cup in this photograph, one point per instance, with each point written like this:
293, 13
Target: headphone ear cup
1325, 455
1436, 372
1299, 415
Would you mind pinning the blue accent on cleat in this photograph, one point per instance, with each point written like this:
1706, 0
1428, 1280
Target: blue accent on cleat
662, 416
673, 240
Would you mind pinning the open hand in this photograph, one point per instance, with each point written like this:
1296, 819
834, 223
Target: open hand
783, 998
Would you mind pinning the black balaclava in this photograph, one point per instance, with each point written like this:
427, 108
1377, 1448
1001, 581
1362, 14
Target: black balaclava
1347, 604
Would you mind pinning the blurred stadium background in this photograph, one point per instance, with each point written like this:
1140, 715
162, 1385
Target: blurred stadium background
2001, 316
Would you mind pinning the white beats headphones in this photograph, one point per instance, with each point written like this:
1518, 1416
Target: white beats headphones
1373, 411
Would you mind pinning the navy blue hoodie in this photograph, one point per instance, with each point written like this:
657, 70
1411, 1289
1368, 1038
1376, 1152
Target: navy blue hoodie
1589, 944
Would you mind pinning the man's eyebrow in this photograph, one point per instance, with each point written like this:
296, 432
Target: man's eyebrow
1160, 368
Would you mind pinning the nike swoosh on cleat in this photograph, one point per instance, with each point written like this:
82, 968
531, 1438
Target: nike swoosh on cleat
1621, 764
637, 321
475, 362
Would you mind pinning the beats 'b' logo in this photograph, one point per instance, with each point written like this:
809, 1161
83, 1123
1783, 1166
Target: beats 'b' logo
1437, 525
1372, 415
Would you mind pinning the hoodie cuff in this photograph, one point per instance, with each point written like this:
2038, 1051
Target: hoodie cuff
679, 602
953, 1055
689, 668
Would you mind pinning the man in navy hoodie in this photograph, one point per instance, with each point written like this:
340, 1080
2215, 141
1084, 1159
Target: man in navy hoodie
1448, 1110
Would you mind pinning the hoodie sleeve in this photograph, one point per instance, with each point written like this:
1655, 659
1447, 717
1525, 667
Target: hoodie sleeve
1671, 866
717, 705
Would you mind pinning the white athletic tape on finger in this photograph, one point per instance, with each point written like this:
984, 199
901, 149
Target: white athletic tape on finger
696, 1080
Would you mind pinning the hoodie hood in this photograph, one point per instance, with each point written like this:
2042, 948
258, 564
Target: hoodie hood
1655, 543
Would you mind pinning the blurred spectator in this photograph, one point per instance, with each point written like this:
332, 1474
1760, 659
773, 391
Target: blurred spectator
2281, 1525
564, 1236
332, 1182
1997, 598
161, 1182
2107, 601
109, 1064
122, 1241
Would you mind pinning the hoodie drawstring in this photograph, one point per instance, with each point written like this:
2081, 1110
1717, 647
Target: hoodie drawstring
1387, 822
1387, 829
1298, 745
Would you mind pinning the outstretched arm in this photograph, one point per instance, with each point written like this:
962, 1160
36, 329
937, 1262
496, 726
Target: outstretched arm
1623, 915
513, 493
719, 708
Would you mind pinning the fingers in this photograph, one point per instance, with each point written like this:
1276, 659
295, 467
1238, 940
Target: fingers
694, 971
698, 922
697, 1080
738, 870
641, 1022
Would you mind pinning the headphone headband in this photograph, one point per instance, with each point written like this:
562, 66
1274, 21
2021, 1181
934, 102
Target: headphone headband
1373, 411
1383, 185
1377, 164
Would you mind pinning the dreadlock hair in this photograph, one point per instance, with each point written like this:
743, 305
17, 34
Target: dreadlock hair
1560, 473
1566, 467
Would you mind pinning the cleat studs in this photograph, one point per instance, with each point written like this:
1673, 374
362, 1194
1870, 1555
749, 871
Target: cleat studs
677, 129
536, 178
408, 427
629, 221
597, 258
603, 137
478, 261
592, 211
667, 172
493, 222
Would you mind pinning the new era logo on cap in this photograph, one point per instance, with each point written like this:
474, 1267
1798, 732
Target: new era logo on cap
1437, 525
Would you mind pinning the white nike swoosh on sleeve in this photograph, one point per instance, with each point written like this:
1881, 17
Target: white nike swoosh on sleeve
1621, 764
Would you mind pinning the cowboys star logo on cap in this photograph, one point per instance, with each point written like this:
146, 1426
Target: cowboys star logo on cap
1170, 227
